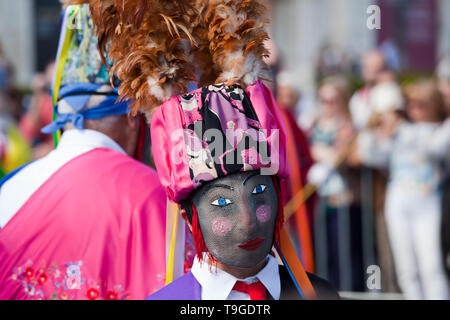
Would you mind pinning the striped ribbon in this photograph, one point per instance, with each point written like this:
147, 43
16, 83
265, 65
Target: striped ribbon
175, 243
302, 223
63, 51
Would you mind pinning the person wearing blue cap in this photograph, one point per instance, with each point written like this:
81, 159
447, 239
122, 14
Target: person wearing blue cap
87, 221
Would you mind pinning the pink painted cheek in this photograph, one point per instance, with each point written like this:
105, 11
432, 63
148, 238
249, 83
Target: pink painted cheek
221, 226
263, 213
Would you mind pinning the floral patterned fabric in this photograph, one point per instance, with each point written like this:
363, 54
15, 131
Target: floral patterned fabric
83, 63
229, 111
61, 246
63, 282
215, 131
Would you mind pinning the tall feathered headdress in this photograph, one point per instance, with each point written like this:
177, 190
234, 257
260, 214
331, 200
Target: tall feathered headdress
158, 47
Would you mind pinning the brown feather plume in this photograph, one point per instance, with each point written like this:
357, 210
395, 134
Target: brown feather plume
158, 46
236, 36
148, 43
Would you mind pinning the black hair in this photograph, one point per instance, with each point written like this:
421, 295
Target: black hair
186, 204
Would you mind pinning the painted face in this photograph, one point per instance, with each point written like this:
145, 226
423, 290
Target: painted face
237, 216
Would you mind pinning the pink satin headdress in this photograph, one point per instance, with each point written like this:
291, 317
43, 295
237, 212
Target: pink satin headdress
215, 131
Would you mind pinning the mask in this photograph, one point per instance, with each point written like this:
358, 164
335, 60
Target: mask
237, 214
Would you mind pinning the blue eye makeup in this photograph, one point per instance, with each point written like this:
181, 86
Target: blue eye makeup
260, 188
221, 202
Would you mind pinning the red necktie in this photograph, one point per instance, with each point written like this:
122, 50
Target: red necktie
256, 290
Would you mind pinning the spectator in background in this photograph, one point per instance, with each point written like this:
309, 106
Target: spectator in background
385, 96
332, 60
330, 136
329, 140
14, 150
373, 63
413, 201
372, 183
39, 114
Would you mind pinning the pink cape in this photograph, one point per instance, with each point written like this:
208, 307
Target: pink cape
94, 230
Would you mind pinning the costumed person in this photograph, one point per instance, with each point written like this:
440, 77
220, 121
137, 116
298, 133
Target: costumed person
219, 150
87, 221
229, 193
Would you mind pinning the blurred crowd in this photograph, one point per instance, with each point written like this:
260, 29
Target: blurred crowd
377, 154
381, 153
22, 115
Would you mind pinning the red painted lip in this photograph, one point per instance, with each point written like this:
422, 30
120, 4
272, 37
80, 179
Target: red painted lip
251, 244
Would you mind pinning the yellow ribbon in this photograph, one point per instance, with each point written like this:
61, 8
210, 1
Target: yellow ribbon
170, 262
60, 66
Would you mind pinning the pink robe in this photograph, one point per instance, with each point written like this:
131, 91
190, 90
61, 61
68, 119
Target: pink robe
94, 230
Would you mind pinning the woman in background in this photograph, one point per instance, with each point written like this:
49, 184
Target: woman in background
330, 138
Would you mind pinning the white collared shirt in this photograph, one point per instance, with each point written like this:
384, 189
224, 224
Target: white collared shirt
217, 284
73, 143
